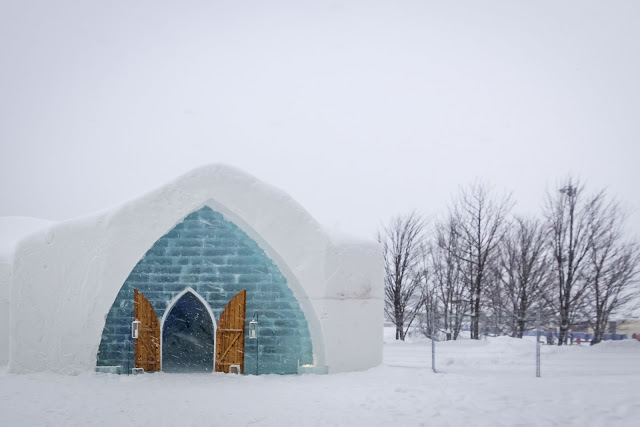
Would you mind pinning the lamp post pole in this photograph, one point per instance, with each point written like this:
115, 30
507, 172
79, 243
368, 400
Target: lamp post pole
433, 341
538, 342
571, 193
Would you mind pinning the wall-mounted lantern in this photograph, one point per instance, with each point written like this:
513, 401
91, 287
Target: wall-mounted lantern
135, 329
253, 327
253, 334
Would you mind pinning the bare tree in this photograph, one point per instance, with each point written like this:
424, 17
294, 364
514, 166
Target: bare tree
446, 279
612, 269
481, 217
496, 316
524, 274
402, 244
429, 319
570, 216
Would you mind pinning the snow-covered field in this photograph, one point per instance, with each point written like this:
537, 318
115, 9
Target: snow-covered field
504, 356
580, 386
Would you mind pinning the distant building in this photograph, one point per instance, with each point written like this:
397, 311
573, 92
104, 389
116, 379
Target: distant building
628, 327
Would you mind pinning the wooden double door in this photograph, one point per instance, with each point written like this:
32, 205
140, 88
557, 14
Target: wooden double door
229, 338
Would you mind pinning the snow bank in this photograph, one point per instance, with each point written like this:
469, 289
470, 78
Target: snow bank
65, 279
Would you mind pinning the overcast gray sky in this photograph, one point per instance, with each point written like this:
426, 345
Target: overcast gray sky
358, 109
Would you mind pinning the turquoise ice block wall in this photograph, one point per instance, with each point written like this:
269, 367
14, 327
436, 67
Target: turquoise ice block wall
217, 259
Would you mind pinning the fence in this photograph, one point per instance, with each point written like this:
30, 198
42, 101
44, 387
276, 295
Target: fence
501, 355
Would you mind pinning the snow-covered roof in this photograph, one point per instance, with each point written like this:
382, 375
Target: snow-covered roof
15, 228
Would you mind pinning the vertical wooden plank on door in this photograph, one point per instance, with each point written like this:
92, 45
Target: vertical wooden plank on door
230, 334
147, 345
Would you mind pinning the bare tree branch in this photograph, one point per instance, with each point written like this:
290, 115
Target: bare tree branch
570, 217
523, 273
402, 244
481, 218
612, 270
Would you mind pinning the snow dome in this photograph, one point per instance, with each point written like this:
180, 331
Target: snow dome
214, 272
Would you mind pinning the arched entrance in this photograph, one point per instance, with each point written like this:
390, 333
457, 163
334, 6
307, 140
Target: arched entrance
212, 259
188, 333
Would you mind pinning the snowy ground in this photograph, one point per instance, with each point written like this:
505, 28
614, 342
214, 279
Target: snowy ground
504, 356
574, 390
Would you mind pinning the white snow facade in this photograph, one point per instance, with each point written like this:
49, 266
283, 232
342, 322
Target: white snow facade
12, 230
313, 304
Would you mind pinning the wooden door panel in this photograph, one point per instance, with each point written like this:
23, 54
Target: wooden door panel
230, 334
147, 345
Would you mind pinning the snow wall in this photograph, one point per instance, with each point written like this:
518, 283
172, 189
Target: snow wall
65, 280
5, 296
13, 229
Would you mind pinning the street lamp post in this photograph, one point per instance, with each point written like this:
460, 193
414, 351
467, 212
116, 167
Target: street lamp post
571, 192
